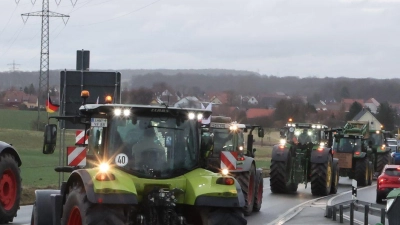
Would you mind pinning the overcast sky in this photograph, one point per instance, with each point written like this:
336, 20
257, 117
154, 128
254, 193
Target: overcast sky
320, 38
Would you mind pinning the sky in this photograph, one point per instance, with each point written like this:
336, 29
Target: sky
303, 38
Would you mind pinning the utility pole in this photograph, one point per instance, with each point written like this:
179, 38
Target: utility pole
13, 64
44, 52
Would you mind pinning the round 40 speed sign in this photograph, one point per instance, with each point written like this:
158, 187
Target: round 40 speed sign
121, 159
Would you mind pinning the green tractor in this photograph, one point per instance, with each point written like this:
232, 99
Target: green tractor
349, 145
230, 157
379, 151
145, 165
302, 157
10, 182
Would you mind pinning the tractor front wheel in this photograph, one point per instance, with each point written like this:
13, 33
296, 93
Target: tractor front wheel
10, 188
321, 177
224, 216
247, 182
78, 210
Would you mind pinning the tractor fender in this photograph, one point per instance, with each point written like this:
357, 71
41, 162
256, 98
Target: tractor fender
43, 207
221, 201
109, 198
7, 148
279, 154
244, 166
318, 156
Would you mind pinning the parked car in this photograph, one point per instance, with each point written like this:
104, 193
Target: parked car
387, 181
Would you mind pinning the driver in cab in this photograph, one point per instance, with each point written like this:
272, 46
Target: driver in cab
304, 138
148, 150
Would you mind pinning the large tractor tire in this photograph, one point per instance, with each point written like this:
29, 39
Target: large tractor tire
78, 210
382, 160
361, 171
225, 216
10, 188
258, 194
335, 177
370, 173
279, 177
321, 177
247, 181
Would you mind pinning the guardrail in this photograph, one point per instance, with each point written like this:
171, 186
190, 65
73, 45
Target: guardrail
356, 205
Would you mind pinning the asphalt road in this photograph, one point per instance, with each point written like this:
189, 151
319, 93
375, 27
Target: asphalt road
299, 208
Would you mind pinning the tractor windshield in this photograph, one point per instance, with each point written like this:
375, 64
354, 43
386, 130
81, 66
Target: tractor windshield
226, 140
155, 147
376, 138
349, 145
304, 135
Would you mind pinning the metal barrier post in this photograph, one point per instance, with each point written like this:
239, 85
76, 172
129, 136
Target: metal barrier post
383, 216
366, 211
341, 213
352, 213
334, 213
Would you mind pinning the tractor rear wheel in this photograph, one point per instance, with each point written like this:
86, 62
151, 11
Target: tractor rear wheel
361, 171
10, 188
335, 177
225, 216
258, 194
382, 160
280, 177
78, 210
247, 182
321, 177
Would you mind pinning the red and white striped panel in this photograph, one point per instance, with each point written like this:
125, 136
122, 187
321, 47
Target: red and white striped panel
81, 138
76, 156
228, 160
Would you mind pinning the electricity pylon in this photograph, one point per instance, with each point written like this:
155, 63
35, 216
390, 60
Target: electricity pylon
44, 52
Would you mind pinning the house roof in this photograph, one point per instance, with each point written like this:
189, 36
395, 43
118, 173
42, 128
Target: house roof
254, 113
361, 113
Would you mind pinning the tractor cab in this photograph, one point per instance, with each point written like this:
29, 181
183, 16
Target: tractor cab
303, 135
145, 141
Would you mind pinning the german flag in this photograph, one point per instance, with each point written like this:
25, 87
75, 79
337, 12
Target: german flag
50, 107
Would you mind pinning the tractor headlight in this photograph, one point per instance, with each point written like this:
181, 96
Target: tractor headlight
224, 171
241, 148
191, 116
199, 116
282, 142
322, 144
127, 112
104, 167
117, 112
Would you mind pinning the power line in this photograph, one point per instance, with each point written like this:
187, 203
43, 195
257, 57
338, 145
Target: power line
136, 10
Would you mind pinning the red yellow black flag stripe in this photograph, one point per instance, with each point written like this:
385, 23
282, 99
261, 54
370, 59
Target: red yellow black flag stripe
50, 107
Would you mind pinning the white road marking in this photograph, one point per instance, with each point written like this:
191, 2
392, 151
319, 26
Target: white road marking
297, 209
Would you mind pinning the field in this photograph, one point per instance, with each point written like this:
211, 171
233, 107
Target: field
37, 169
19, 119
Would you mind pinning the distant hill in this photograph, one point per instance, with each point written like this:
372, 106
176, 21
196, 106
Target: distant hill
239, 81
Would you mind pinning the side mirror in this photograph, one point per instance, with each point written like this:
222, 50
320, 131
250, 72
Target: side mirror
260, 132
50, 139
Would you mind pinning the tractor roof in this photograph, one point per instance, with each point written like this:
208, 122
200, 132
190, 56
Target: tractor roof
145, 109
